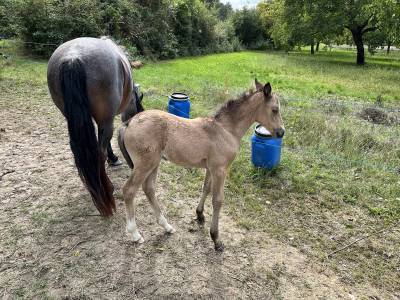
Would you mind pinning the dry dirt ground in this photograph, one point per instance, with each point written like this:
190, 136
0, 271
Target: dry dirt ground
53, 244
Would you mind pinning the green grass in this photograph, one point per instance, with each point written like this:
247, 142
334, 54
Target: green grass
339, 175
296, 75
322, 95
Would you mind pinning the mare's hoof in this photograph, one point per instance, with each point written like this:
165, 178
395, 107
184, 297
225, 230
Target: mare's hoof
219, 247
200, 219
115, 163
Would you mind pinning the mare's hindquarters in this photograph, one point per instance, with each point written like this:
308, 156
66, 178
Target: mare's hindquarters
89, 158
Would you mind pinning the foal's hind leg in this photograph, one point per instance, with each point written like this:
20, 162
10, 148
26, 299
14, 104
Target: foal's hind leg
206, 191
130, 190
149, 190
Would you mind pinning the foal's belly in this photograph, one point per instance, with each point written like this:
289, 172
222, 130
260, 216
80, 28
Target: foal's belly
188, 153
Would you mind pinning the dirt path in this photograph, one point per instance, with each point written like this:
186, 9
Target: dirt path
53, 243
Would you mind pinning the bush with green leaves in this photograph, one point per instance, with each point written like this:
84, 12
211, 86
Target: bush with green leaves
225, 38
9, 18
157, 29
48, 23
249, 28
193, 27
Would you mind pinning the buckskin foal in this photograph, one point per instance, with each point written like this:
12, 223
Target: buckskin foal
211, 143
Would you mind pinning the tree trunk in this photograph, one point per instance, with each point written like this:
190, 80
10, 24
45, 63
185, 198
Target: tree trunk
358, 41
312, 48
317, 47
389, 44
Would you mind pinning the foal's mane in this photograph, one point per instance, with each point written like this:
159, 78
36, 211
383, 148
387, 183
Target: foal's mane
231, 106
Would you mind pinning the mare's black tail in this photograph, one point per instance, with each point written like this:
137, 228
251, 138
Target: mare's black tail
89, 159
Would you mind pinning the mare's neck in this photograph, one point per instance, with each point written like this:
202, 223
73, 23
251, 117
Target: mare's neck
239, 121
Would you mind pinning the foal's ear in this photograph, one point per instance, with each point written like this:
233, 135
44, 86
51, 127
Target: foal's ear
259, 86
267, 90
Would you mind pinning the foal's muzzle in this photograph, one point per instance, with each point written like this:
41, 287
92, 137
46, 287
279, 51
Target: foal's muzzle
280, 132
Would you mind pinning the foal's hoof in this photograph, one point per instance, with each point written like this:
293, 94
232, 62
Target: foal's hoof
170, 230
115, 163
219, 247
136, 238
140, 240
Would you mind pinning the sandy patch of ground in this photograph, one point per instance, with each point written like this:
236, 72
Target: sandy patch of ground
53, 243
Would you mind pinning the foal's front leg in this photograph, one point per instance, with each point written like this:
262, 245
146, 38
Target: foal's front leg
217, 182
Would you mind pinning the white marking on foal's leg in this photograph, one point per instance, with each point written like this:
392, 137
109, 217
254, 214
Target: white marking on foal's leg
164, 223
133, 232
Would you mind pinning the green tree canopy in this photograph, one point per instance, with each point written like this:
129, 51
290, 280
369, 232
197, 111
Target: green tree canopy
299, 22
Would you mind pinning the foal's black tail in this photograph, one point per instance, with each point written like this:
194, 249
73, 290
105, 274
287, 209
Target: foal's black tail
121, 144
89, 159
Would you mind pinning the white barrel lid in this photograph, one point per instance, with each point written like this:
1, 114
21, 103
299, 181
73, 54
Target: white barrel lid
262, 131
179, 97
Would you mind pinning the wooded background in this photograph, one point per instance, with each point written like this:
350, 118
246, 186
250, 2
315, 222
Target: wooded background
160, 29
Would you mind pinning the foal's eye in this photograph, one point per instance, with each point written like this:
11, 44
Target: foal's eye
275, 110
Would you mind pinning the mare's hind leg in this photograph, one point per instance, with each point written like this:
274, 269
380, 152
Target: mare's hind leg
112, 159
149, 190
206, 191
105, 132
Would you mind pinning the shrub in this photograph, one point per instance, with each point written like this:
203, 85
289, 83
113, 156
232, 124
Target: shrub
46, 24
193, 27
9, 18
224, 36
248, 27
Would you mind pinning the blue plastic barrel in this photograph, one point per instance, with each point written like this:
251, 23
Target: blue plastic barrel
179, 105
265, 150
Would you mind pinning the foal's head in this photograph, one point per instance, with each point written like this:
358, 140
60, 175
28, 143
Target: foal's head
268, 113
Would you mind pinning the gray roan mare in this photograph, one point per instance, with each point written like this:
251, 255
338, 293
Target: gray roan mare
210, 143
90, 78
